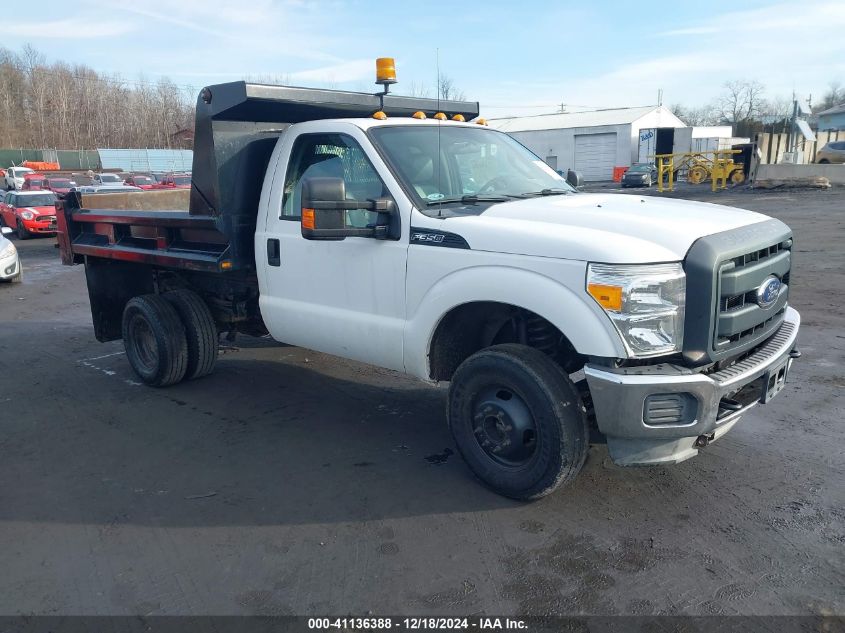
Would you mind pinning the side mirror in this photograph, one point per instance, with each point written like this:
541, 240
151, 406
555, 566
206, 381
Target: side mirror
574, 178
324, 217
6, 230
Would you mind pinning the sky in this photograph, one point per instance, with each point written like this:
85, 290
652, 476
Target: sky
515, 58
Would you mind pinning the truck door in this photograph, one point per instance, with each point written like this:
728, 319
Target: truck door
343, 297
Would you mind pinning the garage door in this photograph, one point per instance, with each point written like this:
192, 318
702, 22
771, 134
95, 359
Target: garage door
595, 155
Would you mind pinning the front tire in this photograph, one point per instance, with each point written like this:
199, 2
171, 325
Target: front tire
200, 331
518, 421
23, 234
154, 339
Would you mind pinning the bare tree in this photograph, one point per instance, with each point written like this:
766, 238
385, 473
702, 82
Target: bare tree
834, 96
704, 115
741, 100
447, 90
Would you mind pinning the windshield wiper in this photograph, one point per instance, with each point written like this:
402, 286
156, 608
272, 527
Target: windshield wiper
471, 199
549, 192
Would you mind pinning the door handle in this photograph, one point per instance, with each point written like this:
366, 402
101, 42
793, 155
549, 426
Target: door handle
274, 257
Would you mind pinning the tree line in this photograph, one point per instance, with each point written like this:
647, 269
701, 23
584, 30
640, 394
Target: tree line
70, 106
744, 105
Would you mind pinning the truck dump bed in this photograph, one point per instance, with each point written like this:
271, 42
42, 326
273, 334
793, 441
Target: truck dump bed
236, 128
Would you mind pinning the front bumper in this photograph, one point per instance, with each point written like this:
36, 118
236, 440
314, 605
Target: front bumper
10, 266
718, 400
42, 228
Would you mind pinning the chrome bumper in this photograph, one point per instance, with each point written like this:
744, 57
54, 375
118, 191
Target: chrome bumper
619, 398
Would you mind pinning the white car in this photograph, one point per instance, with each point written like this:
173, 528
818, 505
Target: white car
14, 177
10, 263
107, 180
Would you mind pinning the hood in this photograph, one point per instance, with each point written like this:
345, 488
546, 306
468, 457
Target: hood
612, 228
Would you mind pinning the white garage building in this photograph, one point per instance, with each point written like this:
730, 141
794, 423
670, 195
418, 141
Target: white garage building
596, 142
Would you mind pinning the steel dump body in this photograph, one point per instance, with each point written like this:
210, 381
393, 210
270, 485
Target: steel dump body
236, 128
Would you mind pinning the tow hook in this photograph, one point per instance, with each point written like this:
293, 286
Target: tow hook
703, 440
795, 353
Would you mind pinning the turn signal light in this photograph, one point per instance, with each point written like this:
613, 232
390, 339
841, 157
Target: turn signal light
308, 219
609, 297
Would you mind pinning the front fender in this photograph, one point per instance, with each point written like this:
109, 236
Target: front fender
580, 319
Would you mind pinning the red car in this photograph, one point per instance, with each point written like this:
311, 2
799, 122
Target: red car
33, 182
29, 212
141, 181
175, 181
59, 185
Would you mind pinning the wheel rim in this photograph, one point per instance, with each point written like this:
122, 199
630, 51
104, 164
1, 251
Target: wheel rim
143, 343
504, 427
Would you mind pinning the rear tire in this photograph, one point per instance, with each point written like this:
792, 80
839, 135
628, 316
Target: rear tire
200, 331
154, 339
518, 421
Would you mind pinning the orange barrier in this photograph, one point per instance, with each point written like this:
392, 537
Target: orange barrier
618, 172
41, 166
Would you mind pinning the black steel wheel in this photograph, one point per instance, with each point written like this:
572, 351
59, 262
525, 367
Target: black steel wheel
154, 339
517, 421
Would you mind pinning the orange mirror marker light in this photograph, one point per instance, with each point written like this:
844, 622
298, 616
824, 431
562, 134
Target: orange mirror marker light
609, 297
225, 265
440, 116
381, 116
308, 219
419, 114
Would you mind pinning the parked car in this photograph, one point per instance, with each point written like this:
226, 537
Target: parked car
175, 181
59, 185
34, 182
104, 188
831, 153
142, 181
107, 180
29, 212
640, 175
14, 177
10, 263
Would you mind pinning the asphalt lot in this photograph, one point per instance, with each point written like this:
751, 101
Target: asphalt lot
291, 482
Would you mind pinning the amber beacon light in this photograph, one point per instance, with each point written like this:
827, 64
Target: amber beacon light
385, 71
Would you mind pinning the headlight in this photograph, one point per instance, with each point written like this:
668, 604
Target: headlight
645, 304
27, 215
7, 250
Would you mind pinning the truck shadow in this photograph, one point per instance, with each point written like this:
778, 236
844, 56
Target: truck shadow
277, 435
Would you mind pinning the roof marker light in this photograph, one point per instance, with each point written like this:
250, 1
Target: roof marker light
419, 114
440, 116
459, 117
481, 121
381, 116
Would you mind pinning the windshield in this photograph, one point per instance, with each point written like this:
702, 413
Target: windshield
21, 171
58, 182
182, 180
640, 168
44, 200
142, 180
109, 178
444, 164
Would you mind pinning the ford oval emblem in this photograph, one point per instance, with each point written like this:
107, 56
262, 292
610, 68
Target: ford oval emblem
768, 292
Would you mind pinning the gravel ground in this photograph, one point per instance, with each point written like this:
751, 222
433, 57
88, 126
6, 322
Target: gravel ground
291, 482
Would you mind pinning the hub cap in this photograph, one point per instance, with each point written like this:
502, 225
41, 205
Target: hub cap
504, 427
